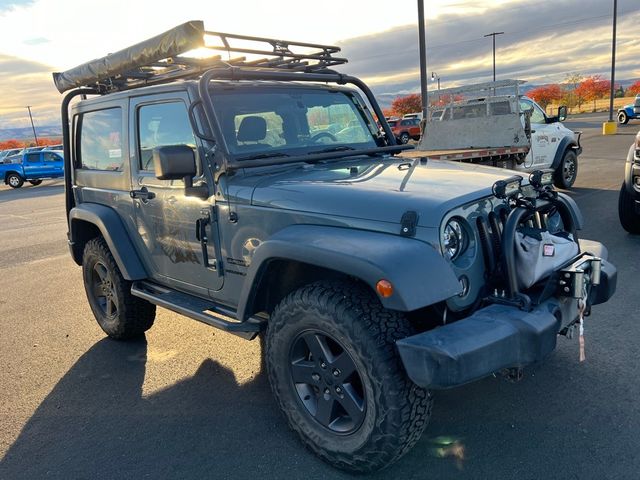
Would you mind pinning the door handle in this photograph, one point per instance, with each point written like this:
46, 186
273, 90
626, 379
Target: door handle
142, 194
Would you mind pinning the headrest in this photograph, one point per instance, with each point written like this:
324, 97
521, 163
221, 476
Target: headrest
252, 129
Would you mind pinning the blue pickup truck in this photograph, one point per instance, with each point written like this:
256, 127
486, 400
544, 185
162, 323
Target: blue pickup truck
32, 167
629, 112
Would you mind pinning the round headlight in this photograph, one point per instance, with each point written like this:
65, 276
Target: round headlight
454, 239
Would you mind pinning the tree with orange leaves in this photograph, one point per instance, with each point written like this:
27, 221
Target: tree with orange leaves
634, 89
407, 104
592, 88
545, 94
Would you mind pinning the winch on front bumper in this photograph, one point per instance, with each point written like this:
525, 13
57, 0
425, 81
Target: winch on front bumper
498, 336
517, 328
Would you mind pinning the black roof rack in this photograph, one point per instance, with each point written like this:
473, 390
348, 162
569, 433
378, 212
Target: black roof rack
161, 59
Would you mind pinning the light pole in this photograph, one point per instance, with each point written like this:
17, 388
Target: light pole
423, 58
434, 77
610, 127
613, 59
494, 50
32, 126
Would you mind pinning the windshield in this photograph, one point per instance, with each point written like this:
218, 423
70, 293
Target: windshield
278, 122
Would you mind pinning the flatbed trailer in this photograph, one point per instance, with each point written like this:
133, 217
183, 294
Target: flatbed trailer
501, 157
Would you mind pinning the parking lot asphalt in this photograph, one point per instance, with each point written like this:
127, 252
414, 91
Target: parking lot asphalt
189, 401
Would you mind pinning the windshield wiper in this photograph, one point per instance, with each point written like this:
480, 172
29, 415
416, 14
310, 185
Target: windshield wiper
262, 155
337, 148
391, 149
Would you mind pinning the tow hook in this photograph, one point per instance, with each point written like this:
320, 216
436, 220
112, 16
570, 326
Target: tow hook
513, 374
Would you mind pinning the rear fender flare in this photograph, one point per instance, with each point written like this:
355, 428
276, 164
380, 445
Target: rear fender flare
113, 230
419, 274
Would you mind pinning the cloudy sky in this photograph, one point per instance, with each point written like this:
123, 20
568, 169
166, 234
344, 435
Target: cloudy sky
543, 40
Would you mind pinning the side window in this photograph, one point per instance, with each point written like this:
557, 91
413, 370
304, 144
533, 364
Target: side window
51, 157
162, 124
101, 140
33, 158
537, 116
500, 108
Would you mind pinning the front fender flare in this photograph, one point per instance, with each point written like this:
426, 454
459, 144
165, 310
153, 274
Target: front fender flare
113, 230
565, 143
419, 274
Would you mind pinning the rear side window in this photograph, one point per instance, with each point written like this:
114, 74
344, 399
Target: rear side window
162, 124
101, 140
51, 157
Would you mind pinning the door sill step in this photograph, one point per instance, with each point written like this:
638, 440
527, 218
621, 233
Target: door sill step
204, 311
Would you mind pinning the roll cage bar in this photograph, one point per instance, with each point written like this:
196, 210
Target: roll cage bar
160, 60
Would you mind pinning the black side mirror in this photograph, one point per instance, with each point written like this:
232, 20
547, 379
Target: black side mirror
175, 162
562, 113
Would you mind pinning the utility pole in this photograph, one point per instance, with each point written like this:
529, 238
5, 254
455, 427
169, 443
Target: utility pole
494, 50
423, 59
613, 60
32, 126
435, 76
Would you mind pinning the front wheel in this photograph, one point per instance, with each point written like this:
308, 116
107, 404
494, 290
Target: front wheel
404, 138
119, 314
335, 372
35, 182
14, 180
623, 118
567, 171
629, 219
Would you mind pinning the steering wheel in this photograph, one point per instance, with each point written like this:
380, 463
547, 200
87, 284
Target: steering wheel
319, 136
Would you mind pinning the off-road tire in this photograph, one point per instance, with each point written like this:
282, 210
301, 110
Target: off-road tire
623, 118
629, 219
567, 172
396, 410
404, 138
14, 180
35, 182
133, 316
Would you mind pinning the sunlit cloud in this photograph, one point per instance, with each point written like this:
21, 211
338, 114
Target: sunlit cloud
543, 40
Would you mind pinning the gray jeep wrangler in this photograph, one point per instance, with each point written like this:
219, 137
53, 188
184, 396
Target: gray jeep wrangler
629, 198
261, 198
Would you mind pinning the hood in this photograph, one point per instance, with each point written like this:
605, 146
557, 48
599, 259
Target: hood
378, 190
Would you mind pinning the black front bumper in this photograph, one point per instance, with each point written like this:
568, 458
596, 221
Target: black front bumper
493, 338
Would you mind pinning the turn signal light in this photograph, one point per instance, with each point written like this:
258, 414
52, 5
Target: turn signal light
384, 288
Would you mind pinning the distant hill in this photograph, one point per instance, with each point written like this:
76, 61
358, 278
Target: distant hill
27, 132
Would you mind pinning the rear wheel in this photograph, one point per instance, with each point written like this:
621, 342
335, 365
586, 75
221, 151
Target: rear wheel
623, 118
629, 219
404, 138
35, 182
119, 314
567, 171
336, 374
14, 180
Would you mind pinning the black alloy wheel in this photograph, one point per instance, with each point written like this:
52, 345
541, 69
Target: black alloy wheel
327, 382
103, 290
120, 315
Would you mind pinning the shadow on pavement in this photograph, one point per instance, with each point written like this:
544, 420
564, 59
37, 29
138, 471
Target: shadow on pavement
8, 194
97, 424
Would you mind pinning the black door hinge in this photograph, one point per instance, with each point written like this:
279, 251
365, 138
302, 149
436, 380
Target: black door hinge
408, 224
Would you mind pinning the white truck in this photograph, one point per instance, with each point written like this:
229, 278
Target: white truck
504, 130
